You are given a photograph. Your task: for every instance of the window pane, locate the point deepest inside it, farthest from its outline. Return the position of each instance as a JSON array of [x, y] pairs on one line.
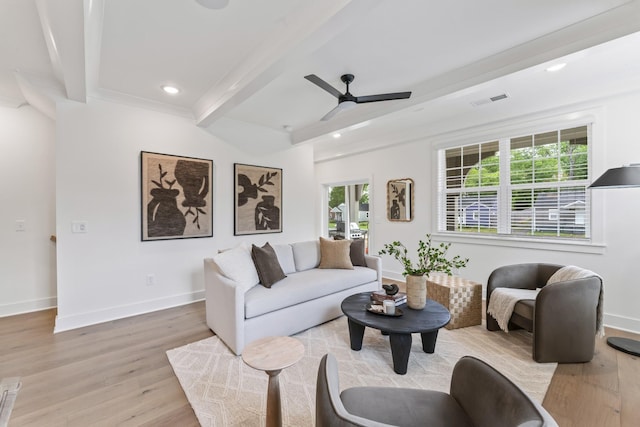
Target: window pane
[[573, 153], [472, 166], [522, 160], [556, 212], [473, 212], [454, 168], [543, 186]]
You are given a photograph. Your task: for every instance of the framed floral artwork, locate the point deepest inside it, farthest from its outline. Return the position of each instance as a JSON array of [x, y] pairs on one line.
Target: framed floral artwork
[[258, 199], [400, 199], [176, 196]]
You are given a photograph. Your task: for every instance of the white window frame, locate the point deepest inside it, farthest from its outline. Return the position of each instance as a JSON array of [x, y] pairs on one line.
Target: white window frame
[[532, 124]]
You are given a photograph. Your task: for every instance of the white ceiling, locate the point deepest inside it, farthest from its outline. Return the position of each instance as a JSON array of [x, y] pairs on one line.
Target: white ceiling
[[240, 69]]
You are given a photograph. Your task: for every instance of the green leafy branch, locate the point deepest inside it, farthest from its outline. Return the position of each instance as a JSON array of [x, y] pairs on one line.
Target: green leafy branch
[[430, 258]]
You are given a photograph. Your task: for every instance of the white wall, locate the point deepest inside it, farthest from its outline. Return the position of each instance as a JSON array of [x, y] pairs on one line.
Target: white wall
[[102, 274], [617, 210], [27, 192]]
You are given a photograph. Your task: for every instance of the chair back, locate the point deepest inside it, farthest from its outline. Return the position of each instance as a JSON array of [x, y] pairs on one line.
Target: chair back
[[330, 412], [490, 399]]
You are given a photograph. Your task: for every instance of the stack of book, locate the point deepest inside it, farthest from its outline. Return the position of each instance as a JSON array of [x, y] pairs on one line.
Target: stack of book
[[377, 297]]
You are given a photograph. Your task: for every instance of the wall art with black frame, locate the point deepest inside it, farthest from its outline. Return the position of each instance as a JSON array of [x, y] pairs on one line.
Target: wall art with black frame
[[176, 196], [258, 199]]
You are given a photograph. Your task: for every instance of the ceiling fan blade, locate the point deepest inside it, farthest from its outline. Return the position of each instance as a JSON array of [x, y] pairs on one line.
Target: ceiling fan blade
[[382, 97], [324, 85], [346, 105]]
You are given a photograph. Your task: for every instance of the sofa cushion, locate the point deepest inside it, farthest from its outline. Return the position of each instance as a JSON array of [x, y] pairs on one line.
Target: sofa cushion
[[267, 265], [285, 257], [237, 265], [306, 255], [356, 252], [335, 254], [304, 286]]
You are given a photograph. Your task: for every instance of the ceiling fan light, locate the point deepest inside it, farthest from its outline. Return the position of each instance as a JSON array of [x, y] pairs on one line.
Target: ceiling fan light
[[347, 105], [213, 4]]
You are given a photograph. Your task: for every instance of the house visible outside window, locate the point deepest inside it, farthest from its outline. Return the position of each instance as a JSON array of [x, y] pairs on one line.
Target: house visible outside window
[[530, 185]]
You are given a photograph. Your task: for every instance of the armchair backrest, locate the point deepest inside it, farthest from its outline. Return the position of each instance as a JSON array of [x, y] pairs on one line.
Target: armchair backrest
[[330, 412], [491, 399], [523, 276]]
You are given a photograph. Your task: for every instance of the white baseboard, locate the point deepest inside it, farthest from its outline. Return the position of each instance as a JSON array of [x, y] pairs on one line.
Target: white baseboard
[[392, 275], [29, 306], [623, 323], [86, 319]]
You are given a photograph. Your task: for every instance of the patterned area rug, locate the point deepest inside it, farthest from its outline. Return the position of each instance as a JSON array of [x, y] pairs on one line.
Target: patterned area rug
[[223, 391]]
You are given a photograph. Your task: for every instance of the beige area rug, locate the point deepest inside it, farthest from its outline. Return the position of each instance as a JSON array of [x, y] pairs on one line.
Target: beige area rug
[[223, 391], [8, 392]]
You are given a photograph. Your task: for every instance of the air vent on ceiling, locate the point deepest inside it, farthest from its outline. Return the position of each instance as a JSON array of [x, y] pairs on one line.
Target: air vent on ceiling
[[489, 100]]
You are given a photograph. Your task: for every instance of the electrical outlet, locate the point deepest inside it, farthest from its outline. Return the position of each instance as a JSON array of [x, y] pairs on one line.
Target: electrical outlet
[[21, 225], [151, 279]]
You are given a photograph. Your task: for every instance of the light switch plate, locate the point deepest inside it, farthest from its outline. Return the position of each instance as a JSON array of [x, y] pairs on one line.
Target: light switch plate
[[79, 227]]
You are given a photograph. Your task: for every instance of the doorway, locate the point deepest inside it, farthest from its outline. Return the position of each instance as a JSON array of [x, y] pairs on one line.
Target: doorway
[[348, 212]]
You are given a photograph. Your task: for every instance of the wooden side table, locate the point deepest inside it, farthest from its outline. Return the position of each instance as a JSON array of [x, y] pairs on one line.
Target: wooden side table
[[462, 297], [272, 355]]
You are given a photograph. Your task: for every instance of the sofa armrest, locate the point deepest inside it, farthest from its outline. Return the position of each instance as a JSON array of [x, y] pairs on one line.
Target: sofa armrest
[[375, 263], [224, 301]]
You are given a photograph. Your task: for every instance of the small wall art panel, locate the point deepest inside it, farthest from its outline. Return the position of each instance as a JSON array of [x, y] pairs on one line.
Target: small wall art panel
[[400, 199], [258, 199], [176, 197]]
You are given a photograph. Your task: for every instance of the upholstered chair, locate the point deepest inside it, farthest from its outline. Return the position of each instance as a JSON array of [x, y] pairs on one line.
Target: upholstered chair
[[479, 396], [563, 317]]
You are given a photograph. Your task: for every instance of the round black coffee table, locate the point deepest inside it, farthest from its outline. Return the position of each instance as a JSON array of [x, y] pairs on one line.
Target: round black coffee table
[[426, 322]]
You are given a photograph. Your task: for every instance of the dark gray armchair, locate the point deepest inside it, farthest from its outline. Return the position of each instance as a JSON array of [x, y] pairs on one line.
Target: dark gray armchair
[[563, 317], [479, 396]]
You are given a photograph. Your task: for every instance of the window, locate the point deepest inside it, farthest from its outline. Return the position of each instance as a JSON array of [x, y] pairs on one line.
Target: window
[[533, 185]]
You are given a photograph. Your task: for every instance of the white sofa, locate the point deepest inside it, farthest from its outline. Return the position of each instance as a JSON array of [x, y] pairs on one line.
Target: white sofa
[[307, 297]]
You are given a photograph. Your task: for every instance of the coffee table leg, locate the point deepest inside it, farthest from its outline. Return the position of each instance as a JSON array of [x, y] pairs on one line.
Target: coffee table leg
[[400, 349], [356, 332], [429, 341], [274, 407]]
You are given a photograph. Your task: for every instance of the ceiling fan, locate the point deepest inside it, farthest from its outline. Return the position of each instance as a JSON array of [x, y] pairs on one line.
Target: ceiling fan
[[347, 100]]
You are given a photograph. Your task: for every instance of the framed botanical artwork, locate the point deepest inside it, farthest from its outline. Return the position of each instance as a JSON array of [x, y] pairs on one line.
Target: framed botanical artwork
[[258, 199], [176, 196], [400, 199]]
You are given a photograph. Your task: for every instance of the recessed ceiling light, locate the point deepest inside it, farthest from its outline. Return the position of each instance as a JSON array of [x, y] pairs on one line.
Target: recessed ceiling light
[[214, 4], [337, 135], [171, 90], [556, 67]]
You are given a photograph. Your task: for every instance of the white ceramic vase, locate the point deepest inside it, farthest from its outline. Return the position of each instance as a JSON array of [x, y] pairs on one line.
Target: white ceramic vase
[[416, 291]]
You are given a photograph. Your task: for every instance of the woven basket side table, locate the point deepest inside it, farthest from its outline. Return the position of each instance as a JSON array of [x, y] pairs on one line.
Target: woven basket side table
[[462, 297]]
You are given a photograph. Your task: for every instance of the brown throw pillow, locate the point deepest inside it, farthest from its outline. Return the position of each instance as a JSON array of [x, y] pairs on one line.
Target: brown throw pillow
[[335, 254], [267, 265], [357, 253]]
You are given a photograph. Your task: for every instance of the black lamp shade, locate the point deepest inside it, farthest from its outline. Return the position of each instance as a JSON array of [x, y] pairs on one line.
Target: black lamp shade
[[622, 177]]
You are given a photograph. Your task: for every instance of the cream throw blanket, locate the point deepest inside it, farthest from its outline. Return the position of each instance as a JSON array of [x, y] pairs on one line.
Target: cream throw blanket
[[503, 300]]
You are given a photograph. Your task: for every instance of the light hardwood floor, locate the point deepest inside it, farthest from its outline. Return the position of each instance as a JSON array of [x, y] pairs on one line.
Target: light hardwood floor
[[117, 373]]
